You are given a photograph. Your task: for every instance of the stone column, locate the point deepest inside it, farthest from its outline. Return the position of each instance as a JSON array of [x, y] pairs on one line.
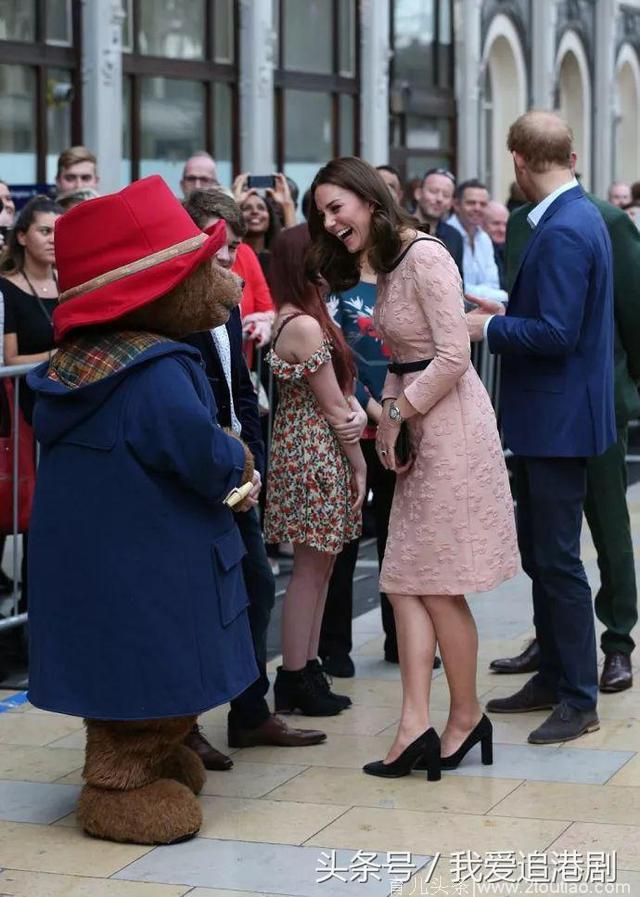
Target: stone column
[[543, 54], [374, 78], [605, 112], [102, 87], [257, 62], [468, 56]]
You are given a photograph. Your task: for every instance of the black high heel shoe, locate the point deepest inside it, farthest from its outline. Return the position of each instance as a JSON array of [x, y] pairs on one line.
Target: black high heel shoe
[[482, 733], [425, 748]]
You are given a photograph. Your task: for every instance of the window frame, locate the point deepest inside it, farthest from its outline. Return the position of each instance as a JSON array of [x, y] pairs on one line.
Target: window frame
[[41, 56], [136, 65], [428, 102], [334, 84]]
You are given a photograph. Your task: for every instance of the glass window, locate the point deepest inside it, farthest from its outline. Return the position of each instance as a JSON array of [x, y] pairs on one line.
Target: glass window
[[59, 96], [413, 33], [308, 36], [428, 133], [172, 125], [18, 20], [347, 37], [347, 140], [17, 115], [223, 31], [125, 169], [222, 132], [416, 165], [58, 22], [308, 134], [127, 26], [172, 28]]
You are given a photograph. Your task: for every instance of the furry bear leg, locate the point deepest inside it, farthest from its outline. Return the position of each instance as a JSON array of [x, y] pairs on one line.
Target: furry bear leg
[[131, 794]]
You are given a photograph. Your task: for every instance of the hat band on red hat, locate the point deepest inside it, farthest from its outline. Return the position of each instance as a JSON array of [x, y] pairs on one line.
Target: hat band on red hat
[[142, 264]]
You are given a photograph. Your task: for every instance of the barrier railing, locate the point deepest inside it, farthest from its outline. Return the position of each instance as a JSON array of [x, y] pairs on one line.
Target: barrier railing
[[16, 374]]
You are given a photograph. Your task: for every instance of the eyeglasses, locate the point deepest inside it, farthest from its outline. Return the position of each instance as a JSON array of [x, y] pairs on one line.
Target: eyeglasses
[[193, 179], [443, 171]]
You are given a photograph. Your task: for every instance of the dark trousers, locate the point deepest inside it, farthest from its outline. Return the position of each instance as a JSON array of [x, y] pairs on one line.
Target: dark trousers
[[607, 514], [551, 494], [250, 708], [335, 635]]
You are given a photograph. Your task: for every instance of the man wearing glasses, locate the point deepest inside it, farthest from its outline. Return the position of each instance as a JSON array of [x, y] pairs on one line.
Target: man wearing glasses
[[199, 173]]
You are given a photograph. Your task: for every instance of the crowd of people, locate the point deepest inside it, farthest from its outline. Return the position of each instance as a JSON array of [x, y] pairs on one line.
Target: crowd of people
[[363, 315]]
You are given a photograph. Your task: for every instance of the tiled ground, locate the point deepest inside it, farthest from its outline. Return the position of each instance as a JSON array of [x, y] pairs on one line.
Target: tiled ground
[[278, 821]]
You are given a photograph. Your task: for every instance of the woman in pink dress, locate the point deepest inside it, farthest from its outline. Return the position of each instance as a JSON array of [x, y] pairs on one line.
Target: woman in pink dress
[[452, 527]]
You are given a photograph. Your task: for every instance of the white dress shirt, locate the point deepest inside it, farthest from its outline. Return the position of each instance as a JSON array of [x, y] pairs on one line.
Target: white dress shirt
[[479, 267], [221, 339]]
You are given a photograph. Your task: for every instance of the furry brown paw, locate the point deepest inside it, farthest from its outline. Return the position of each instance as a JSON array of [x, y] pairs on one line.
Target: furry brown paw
[[249, 465], [164, 812], [185, 767]]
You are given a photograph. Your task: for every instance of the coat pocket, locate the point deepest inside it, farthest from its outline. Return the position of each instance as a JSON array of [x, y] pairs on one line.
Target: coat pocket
[[228, 551]]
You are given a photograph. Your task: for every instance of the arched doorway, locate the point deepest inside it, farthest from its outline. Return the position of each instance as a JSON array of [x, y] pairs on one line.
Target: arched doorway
[[627, 136], [504, 99], [574, 99]]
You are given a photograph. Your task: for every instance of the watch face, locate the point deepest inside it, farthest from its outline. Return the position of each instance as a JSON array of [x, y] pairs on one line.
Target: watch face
[[394, 412]]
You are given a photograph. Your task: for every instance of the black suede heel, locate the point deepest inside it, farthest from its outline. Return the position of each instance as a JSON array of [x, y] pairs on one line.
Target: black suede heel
[[426, 747]]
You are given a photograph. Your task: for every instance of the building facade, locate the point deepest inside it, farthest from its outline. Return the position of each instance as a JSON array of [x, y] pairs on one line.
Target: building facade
[[268, 85]]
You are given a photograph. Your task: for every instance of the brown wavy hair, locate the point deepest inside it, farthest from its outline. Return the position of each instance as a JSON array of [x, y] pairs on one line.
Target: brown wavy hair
[[328, 256], [290, 285]]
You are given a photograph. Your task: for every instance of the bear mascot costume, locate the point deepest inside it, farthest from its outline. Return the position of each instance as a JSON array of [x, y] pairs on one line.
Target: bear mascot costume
[[138, 617]]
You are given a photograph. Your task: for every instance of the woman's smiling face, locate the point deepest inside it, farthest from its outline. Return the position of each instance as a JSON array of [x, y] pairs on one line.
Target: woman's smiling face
[[255, 214], [345, 215]]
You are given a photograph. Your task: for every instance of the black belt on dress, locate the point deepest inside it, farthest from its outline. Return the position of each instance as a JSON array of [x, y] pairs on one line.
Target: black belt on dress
[[409, 367]]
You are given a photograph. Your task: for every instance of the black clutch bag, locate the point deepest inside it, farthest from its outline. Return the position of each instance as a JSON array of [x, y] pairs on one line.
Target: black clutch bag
[[403, 445]]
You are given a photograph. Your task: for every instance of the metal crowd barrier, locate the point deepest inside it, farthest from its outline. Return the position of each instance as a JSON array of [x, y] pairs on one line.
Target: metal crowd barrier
[[16, 373]]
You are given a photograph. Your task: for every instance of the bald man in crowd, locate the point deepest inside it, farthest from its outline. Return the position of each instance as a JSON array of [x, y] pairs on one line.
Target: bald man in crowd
[[495, 223], [619, 194], [199, 173]]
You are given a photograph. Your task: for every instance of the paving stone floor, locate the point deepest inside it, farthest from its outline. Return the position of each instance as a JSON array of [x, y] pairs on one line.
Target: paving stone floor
[[284, 818]]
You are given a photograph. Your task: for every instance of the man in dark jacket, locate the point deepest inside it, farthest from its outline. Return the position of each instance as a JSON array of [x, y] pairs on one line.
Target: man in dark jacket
[[606, 502], [434, 201], [250, 721]]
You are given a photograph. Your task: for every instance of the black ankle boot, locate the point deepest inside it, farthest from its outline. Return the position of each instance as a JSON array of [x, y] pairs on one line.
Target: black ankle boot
[[314, 669], [299, 690], [425, 750]]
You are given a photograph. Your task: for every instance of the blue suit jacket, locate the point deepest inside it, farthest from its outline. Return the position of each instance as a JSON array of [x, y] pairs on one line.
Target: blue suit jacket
[[556, 339]]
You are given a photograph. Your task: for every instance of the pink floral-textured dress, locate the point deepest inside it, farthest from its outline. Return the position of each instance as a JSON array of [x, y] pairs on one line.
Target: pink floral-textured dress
[[309, 494], [452, 526]]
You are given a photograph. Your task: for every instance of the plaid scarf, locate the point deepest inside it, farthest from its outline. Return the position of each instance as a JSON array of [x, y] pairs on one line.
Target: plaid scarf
[[87, 359]]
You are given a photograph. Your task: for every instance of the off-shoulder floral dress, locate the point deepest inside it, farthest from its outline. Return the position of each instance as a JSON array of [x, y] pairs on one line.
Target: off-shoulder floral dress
[[309, 493]]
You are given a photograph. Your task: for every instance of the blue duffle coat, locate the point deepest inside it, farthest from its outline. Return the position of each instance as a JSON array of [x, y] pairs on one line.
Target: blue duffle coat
[[137, 605]]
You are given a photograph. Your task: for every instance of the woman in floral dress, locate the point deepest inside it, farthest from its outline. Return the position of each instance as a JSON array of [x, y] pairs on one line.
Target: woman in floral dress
[[317, 473]]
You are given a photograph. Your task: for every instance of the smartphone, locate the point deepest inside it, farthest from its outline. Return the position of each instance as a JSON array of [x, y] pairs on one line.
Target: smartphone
[[261, 181]]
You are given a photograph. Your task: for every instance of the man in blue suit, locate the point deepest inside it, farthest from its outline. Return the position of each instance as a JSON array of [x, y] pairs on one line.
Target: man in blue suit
[[556, 343]]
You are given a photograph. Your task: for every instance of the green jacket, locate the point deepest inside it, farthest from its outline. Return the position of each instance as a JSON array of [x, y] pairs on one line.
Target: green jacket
[[625, 241]]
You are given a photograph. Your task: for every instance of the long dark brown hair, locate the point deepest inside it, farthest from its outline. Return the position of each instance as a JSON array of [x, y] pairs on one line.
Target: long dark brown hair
[[13, 255], [328, 256], [290, 285]]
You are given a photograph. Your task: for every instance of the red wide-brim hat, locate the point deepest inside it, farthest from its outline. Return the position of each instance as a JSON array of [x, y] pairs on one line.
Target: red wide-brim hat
[[119, 252]]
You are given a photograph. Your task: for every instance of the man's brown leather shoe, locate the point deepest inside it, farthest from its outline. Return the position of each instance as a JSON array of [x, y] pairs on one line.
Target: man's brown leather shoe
[[616, 673], [527, 662], [274, 731], [211, 758]]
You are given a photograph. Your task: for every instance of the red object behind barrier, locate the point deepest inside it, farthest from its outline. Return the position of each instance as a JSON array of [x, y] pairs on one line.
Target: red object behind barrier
[[26, 463]]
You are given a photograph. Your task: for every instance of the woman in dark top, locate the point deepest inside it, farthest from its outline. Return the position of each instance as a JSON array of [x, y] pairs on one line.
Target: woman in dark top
[[29, 285]]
